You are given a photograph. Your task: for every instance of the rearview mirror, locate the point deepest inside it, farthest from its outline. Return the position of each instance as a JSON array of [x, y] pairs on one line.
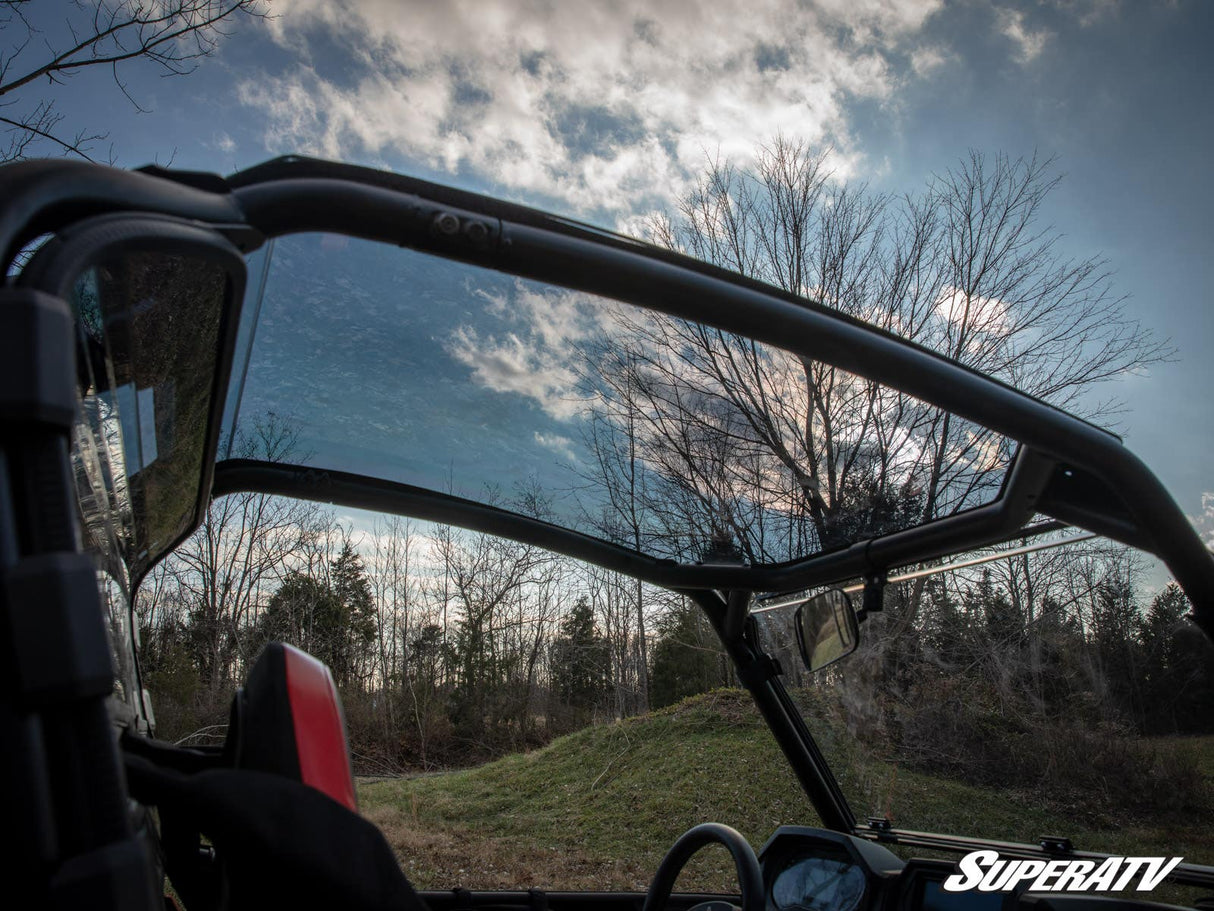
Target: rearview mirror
[[827, 629]]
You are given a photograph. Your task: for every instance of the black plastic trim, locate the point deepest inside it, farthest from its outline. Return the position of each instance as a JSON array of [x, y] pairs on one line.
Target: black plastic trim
[[466, 900], [56, 631], [34, 384]]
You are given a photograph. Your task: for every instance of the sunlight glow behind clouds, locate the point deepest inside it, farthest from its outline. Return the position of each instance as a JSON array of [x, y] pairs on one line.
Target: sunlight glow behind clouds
[[603, 107]]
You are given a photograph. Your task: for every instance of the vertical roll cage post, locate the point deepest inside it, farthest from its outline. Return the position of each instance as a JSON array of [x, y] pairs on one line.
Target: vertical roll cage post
[[760, 674]]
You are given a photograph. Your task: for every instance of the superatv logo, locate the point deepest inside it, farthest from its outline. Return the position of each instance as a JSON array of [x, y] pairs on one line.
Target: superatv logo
[[984, 871]]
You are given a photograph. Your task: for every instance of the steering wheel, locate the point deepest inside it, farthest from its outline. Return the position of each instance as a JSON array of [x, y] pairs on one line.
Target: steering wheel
[[750, 877]]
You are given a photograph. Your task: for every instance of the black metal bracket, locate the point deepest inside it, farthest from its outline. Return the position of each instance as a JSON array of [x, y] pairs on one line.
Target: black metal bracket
[[1056, 844], [873, 597], [737, 609]]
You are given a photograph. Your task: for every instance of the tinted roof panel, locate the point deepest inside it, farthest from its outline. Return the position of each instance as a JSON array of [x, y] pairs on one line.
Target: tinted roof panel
[[667, 437]]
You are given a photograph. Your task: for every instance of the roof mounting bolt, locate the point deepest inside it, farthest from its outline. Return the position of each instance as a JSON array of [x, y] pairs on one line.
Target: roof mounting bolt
[[1055, 844], [446, 223], [477, 232]]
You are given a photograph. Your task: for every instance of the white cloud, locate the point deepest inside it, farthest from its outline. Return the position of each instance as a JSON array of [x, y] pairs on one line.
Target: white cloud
[[1028, 43], [225, 143], [928, 59], [600, 105], [1204, 523], [510, 364], [562, 446], [538, 352], [1089, 12]]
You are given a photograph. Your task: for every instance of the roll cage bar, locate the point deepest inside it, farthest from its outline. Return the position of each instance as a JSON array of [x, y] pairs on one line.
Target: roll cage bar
[[1064, 468]]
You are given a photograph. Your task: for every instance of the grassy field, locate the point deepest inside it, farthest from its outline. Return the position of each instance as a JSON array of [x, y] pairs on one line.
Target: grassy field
[[599, 808]]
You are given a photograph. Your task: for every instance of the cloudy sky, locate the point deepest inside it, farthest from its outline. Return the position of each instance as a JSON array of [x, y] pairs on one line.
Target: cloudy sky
[[606, 110]]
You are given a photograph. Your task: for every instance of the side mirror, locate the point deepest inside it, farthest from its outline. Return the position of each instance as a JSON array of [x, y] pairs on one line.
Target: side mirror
[[827, 629], [157, 305]]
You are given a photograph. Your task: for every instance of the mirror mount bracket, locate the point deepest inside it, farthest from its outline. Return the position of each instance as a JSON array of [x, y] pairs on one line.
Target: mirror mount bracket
[[874, 595], [757, 672]]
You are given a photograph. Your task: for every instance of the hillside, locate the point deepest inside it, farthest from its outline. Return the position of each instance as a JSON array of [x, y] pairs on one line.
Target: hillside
[[597, 809]]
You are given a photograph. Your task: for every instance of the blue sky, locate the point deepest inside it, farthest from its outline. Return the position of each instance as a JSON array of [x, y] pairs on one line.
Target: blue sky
[[606, 111]]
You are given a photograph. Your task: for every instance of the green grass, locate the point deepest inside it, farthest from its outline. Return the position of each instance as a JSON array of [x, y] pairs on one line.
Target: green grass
[[598, 809]]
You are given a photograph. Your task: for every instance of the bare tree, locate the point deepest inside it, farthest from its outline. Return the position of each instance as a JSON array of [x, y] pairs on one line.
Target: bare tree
[[787, 455], [500, 629], [396, 592], [619, 468], [246, 542], [171, 36]]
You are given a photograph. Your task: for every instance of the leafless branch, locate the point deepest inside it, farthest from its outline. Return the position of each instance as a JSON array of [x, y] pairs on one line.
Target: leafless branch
[[171, 35]]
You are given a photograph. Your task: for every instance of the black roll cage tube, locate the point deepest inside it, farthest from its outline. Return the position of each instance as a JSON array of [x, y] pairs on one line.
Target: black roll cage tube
[[1065, 467]]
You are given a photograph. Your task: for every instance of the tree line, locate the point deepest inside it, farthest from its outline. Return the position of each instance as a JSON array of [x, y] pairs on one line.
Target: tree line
[[451, 647], [447, 645]]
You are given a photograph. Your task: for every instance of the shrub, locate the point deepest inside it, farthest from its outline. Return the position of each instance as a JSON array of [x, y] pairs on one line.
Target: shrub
[[967, 729]]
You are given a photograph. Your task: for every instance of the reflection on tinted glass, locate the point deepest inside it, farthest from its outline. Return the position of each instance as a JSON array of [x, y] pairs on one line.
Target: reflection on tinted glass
[[149, 336], [664, 436]]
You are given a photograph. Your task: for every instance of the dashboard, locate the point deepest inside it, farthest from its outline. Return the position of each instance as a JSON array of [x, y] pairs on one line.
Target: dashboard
[[808, 869]]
